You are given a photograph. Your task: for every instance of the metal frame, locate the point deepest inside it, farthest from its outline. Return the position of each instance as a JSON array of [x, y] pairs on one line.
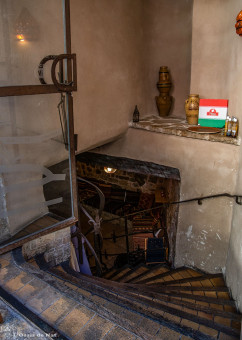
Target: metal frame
[[48, 89]]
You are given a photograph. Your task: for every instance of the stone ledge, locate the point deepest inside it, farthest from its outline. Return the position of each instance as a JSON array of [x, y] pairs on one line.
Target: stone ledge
[[178, 127]]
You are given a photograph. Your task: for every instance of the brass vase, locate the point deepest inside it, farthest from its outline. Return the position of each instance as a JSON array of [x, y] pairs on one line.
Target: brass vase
[[192, 109], [164, 100]]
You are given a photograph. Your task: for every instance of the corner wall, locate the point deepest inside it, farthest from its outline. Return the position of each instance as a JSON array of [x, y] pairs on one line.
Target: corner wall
[[107, 37], [206, 168], [217, 73], [167, 42], [203, 230], [120, 47]]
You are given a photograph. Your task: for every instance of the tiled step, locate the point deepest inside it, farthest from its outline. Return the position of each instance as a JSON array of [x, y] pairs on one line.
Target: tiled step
[[109, 273], [60, 305], [203, 300], [121, 274], [200, 295], [14, 323], [157, 314], [118, 272], [207, 280], [133, 272], [196, 308], [180, 311], [140, 271], [189, 289], [163, 275], [213, 321], [184, 317], [76, 312], [156, 270]]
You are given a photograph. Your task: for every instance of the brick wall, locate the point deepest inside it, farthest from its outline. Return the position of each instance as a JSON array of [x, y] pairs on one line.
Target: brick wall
[[56, 246], [140, 182], [125, 179]]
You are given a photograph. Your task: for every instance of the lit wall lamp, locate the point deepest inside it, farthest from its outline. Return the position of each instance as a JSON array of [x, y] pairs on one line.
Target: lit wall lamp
[[109, 170], [26, 27]]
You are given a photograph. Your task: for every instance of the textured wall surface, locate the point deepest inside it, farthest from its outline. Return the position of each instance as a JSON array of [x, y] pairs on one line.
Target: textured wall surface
[[120, 47], [205, 167], [217, 73], [167, 42], [56, 247], [107, 36], [207, 238], [127, 180]]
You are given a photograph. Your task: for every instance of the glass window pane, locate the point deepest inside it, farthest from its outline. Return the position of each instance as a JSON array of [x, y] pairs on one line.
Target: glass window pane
[[35, 176], [29, 31]]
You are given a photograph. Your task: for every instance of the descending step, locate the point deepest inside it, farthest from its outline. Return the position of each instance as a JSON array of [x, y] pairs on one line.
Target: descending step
[[62, 303], [149, 273], [211, 321], [139, 269], [187, 303], [169, 275], [206, 306], [207, 279], [119, 273]]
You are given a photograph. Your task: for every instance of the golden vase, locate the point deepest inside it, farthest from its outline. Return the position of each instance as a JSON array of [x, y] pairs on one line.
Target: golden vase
[[164, 100], [192, 109]]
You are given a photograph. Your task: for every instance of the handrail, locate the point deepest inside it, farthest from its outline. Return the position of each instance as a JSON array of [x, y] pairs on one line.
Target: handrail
[[238, 200], [96, 224], [93, 252]]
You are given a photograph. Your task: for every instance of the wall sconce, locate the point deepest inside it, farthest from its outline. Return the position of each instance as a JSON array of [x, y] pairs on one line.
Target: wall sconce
[[26, 27], [109, 170]]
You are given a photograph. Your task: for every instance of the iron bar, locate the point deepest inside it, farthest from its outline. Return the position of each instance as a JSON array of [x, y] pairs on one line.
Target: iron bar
[[238, 200], [126, 236], [131, 234]]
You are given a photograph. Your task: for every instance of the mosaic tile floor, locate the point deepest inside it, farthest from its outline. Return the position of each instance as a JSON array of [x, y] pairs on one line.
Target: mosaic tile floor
[[16, 327]]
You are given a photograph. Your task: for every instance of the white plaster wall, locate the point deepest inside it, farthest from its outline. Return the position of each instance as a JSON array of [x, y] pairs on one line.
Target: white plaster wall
[[122, 67], [167, 42], [107, 37], [120, 47], [205, 167], [217, 73]]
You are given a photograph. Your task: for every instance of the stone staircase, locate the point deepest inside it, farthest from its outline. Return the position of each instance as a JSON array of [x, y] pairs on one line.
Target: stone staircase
[[129, 303]]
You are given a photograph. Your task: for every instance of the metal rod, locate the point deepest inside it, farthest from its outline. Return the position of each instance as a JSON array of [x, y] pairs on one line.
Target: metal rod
[[238, 200], [131, 234], [127, 236]]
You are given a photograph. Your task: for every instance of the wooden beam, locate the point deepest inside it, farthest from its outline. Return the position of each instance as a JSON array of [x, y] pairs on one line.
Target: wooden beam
[[27, 90]]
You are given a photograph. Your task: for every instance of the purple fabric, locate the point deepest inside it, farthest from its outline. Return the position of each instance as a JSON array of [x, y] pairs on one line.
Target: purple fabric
[[84, 267]]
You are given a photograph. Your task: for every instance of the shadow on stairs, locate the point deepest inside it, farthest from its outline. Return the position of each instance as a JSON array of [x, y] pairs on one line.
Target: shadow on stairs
[[131, 303], [187, 301]]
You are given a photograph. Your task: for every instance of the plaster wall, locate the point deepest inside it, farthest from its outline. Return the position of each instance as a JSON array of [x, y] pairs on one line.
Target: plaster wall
[[107, 37], [127, 60], [203, 230], [167, 42], [217, 73], [120, 47]]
